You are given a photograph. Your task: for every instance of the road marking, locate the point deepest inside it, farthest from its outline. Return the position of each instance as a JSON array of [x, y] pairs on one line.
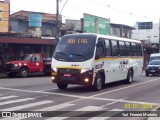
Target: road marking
[[111, 103], [46, 89], [7, 97], [77, 96], [57, 118], [124, 101], [15, 101], [90, 108], [99, 117], [124, 87], [27, 105], [92, 96], [30, 91], [11, 118], [55, 107], [87, 109]]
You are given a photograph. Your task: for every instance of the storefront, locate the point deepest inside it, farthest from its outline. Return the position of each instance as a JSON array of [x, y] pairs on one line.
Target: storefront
[[12, 48]]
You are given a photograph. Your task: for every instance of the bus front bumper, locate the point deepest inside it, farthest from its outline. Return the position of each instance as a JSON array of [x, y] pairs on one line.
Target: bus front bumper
[[81, 79]]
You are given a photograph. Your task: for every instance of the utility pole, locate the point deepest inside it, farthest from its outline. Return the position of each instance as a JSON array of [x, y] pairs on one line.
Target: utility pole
[[57, 21]]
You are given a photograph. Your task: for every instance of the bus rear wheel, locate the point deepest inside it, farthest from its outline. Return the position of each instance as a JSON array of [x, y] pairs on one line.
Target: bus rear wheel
[[98, 82], [62, 86], [129, 77]]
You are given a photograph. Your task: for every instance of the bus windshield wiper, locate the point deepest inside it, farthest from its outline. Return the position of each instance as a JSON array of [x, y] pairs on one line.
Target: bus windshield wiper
[[80, 55], [62, 53]]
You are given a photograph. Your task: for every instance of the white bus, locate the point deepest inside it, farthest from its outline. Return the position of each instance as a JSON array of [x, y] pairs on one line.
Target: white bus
[[94, 60]]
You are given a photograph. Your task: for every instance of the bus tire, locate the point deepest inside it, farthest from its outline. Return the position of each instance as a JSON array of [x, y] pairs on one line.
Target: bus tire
[[62, 86], [23, 73], [98, 84], [129, 79]]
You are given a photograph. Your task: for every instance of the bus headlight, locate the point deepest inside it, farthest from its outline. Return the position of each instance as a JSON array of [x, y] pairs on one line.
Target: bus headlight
[[86, 80], [54, 69], [53, 78], [85, 70]]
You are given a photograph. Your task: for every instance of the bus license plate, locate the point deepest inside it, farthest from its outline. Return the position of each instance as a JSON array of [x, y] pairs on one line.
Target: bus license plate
[[67, 75]]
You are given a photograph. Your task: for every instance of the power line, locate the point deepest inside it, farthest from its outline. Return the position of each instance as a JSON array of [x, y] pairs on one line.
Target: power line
[[75, 7], [119, 10], [63, 6]]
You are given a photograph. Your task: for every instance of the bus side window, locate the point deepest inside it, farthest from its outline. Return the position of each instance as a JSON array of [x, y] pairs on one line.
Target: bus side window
[[100, 48], [115, 49], [134, 49], [128, 49], [139, 49], [122, 48], [108, 48]]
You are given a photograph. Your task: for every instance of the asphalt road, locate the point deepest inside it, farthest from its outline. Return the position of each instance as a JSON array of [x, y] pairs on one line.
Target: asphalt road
[[38, 93]]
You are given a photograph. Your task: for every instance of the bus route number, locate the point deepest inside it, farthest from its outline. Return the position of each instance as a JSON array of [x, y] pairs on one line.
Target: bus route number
[[79, 41], [82, 40]]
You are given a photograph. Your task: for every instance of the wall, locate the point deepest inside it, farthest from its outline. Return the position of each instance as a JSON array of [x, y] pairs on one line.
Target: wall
[[22, 26], [150, 35], [49, 27], [121, 31]]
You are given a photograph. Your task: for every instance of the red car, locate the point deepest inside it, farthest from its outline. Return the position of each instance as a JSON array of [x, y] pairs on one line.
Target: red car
[[31, 63]]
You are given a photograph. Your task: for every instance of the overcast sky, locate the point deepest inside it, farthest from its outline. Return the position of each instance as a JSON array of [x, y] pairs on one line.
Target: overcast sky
[[126, 12]]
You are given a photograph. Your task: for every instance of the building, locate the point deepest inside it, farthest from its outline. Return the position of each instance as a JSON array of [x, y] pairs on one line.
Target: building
[[147, 31], [24, 38], [121, 30], [148, 34], [21, 22]]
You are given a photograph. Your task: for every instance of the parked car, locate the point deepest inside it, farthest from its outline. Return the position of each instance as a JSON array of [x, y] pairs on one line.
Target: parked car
[[32, 63], [153, 67]]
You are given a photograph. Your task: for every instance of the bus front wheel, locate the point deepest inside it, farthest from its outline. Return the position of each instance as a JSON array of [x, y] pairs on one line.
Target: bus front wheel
[[62, 86], [98, 82]]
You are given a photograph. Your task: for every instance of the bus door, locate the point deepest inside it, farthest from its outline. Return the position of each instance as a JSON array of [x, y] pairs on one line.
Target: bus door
[[123, 60], [108, 61], [101, 61], [115, 71]]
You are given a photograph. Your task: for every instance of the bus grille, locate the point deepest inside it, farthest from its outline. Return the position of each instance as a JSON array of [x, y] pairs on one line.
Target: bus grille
[[66, 70], [67, 78]]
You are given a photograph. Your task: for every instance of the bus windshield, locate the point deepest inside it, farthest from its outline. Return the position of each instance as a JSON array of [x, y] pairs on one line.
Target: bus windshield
[[75, 48]]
